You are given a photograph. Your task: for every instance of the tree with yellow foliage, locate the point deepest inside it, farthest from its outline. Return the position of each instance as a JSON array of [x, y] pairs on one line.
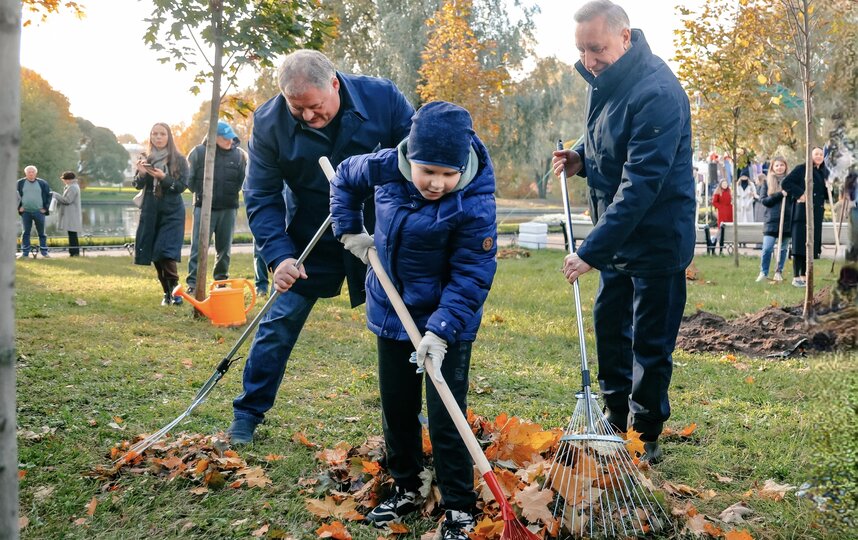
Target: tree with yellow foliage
[[721, 49], [452, 69]]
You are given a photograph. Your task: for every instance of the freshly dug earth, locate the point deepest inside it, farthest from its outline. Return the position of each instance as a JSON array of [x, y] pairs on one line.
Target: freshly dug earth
[[773, 331]]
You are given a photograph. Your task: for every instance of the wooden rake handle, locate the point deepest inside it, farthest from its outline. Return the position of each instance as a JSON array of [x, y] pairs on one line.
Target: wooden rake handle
[[447, 398], [443, 390]]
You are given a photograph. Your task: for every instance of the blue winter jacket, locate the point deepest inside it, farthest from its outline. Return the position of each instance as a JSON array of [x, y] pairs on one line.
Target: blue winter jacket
[[637, 160], [373, 114], [440, 254]]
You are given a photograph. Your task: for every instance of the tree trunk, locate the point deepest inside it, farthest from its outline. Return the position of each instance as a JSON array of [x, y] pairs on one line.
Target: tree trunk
[[808, 310], [10, 137], [734, 187], [211, 150]]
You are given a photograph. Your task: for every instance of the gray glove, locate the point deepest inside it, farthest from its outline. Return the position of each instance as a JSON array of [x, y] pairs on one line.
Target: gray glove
[[359, 245], [436, 348]]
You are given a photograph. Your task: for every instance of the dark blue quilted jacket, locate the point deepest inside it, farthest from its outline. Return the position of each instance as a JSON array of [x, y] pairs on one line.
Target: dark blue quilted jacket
[[439, 254]]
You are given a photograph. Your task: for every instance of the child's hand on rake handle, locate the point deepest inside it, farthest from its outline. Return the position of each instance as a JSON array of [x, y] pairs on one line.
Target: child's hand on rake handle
[[436, 348]]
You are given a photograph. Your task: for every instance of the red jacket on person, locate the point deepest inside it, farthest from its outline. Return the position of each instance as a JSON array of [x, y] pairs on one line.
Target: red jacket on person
[[723, 203]]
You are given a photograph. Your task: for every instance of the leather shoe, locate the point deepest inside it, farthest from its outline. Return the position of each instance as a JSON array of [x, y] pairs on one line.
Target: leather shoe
[[619, 420], [241, 431], [652, 453]]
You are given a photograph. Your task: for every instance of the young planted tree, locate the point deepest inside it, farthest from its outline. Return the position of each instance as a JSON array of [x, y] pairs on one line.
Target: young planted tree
[[721, 50], [220, 37], [803, 28]]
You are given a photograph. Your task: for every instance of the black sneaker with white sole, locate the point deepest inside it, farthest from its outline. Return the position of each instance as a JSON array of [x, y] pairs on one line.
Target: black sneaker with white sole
[[401, 503], [456, 525]]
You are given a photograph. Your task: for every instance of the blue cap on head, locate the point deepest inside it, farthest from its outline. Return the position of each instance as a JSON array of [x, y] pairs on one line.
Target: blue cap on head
[[223, 130], [441, 135]]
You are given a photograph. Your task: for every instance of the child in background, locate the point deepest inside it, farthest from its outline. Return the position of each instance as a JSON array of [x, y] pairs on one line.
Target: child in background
[[436, 237]]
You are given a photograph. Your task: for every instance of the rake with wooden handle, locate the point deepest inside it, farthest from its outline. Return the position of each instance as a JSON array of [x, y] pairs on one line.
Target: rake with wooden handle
[[600, 492], [513, 528]]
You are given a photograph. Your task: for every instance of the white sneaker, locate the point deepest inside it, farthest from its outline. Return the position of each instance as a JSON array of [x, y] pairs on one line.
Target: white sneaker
[[778, 276], [761, 277], [798, 282]]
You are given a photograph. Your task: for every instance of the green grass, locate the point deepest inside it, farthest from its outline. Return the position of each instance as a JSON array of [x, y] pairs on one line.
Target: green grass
[[83, 364], [108, 194]]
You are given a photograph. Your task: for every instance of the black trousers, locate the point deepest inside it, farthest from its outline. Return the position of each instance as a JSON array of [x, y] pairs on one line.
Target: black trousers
[[168, 274], [799, 265], [636, 321], [74, 245], [401, 397]]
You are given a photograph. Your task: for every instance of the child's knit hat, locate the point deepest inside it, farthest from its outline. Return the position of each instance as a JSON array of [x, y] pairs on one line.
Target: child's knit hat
[[441, 135]]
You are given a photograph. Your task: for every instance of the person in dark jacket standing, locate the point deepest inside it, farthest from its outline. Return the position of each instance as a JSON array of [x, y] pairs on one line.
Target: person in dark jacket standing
[[793, 184], [229, 166], [320, 112], [436, 235], [163, 176], [34, 200], [772, 228], [637, 160]]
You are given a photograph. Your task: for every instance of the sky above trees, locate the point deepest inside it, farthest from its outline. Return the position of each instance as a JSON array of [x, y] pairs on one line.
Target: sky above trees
[[102, 65]]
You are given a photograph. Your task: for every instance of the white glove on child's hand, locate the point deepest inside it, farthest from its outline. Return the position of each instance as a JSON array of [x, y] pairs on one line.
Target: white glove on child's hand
[[359, 245], [436, 348]]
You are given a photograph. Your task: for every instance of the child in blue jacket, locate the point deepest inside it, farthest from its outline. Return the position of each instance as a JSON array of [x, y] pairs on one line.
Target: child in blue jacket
[[436, 237]]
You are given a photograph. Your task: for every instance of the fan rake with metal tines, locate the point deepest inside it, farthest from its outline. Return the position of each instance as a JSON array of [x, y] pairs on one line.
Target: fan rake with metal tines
[[599, 491]]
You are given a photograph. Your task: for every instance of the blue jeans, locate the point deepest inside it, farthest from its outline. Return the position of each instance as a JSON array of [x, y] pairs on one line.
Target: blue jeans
[[636, 321], [277, 333], [222, 225], [28, 218], [768, 249], [260, 271]]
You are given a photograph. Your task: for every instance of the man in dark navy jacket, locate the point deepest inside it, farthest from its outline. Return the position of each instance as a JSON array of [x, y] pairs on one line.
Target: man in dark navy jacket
[[320, 112], [637, 159]]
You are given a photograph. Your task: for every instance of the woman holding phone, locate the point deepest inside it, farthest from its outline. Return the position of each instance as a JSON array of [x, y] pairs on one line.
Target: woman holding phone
[[163, 175]]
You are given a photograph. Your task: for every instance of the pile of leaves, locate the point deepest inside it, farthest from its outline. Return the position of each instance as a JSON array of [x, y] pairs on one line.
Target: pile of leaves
[[205, 461], [352, 480]]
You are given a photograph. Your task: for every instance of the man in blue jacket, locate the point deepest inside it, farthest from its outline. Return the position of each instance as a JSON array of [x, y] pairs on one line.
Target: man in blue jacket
[[229, 168], [320, 112], [34, 199], [637, 161]]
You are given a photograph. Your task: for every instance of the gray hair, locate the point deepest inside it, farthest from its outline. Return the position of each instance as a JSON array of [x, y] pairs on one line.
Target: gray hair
[[302, 69], [616, 18], [30, 168]]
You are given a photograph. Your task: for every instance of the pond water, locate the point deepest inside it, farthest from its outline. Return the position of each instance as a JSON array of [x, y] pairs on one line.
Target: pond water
[[120, 220]]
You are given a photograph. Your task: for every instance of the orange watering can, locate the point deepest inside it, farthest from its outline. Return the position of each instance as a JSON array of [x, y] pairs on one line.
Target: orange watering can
[[225, 304]]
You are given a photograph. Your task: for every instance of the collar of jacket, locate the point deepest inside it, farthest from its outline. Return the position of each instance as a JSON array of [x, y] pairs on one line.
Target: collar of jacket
[[351, 104], [620, 70]]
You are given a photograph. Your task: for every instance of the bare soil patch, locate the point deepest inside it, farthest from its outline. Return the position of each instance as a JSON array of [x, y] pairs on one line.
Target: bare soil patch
[[777, 332]]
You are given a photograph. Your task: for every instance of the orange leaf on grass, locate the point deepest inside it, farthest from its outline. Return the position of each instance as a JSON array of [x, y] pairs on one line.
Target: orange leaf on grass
[[328, 507], [738, 535], [260, 531], [90, 508], [372, 468], [688, 430], [334, 456], [488, 527], [21, 474], [300, 438], [273, 457], [397, 528], [634, 444], [335, 530]]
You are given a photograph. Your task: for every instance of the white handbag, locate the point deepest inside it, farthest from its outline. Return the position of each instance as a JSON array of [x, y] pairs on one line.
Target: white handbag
[[53, 206], [138, 199]]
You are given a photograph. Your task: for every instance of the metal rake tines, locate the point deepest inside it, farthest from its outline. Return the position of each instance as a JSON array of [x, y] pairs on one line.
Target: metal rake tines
[[599, 491]]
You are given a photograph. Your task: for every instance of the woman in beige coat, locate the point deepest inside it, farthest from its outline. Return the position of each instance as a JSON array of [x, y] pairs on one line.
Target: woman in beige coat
[[68, 211]]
